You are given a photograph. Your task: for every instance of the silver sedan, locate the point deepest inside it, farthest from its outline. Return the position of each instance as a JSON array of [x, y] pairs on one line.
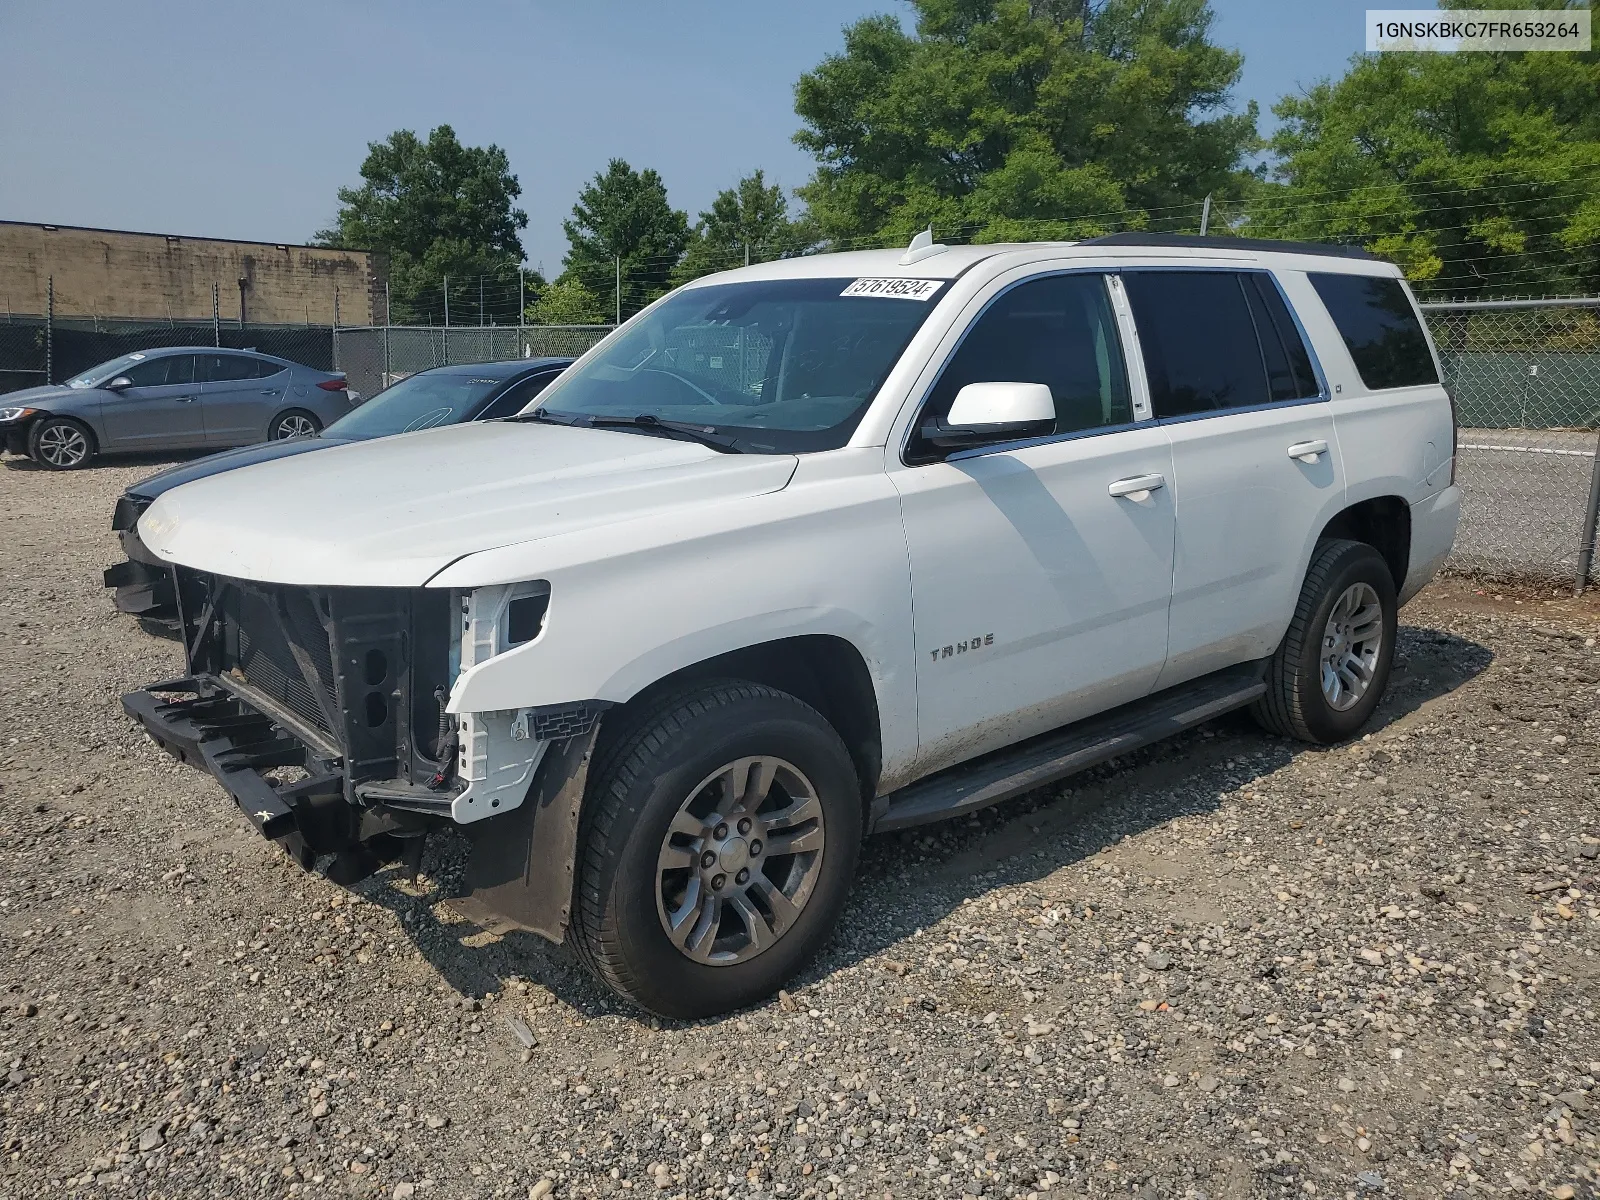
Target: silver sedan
[[175, 398]]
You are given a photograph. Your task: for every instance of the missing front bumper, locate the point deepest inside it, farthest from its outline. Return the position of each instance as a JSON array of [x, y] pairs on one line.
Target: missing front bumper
[[291, 791]]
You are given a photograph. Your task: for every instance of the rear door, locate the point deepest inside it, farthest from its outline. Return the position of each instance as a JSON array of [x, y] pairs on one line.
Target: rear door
[[239, 399], [161, 411], [1256, 464]]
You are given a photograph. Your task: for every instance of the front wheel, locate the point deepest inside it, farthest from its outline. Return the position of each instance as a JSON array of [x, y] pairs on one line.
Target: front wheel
[[297, 422], [1330, 671], [721, 831], [60, 444]]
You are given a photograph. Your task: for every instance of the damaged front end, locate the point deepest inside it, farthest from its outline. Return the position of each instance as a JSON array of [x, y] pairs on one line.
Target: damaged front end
[[324, 713]]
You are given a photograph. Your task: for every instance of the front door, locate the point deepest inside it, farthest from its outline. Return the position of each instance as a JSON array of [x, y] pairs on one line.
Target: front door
[[1256, 466], [1041, 571], [239, 399], [159, 411]]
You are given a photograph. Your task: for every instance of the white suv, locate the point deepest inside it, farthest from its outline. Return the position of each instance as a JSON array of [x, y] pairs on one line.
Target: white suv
[[807, 550]]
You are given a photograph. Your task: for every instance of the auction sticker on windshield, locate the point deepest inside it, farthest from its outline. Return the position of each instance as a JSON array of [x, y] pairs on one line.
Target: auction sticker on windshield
[[897, 289]]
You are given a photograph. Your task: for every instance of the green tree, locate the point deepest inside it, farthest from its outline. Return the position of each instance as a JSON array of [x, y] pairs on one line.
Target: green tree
[[999, 118], [436, 208], [1479, 173], [747, 222], [623, 214], [568, 302]]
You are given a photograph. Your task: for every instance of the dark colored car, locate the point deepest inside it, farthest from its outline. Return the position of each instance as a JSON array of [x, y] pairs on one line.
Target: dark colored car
[[173, 398], [441, 396]]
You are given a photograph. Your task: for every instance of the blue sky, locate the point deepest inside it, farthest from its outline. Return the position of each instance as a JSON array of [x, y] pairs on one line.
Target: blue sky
[[241, 120]]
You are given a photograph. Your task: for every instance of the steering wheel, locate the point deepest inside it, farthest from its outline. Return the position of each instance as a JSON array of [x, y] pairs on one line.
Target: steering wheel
[[690, 384]]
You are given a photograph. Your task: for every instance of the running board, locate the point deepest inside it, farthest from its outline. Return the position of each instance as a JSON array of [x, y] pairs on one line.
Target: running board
[[1005, 773]]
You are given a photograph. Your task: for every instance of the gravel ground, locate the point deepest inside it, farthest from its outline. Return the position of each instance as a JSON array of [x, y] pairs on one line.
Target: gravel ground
[[1231, 966]]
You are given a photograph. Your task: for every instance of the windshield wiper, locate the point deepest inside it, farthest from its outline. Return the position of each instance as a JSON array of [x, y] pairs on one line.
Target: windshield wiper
[[706, 435], [537, 414]]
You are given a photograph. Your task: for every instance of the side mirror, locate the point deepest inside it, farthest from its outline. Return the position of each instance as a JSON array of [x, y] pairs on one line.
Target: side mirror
[[984, 413], [120, 382]]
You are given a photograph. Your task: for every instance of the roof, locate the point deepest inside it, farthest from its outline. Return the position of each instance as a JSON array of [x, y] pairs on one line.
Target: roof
[[1183, 241], [950, 262], [500, 370]]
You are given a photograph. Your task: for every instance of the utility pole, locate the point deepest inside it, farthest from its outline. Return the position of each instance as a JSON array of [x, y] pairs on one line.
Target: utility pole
[[1205, 215], [386, 323], [1591, 521]]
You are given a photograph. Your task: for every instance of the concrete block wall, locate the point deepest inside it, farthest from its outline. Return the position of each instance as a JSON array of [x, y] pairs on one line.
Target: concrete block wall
[[111, 273]]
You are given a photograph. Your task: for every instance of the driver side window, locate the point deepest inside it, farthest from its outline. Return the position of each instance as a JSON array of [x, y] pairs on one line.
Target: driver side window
[[1058, 330], [162, 372]]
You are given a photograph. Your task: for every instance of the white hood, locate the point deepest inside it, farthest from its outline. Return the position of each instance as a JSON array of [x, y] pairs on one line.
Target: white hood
[[394, 511]]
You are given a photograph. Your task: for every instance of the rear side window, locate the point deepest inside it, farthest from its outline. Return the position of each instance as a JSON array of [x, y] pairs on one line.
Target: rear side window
[[1199, 340], [1380, 328], [1058, 331], [1283, 350], [224, 368], [265, 368], [1217, 340]]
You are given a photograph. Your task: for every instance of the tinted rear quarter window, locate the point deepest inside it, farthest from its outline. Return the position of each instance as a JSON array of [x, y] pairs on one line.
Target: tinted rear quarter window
[[1380, 328]]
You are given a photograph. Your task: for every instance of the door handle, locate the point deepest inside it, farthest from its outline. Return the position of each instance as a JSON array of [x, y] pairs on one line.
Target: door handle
[[1137, 487], [184, 399], [1308, 452]]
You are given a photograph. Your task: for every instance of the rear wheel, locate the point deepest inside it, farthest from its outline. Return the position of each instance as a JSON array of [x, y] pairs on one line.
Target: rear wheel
[[1330, 671], [60, 444], [297, 422], [721, 831]]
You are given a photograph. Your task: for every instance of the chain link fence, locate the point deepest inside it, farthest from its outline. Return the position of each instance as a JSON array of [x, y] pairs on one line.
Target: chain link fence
[[43, 350], [372, 357], [1525, 375]]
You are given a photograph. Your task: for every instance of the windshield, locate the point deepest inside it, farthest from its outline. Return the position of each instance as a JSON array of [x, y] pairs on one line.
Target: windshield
[[105, 372], [776, 366], [416, 402]]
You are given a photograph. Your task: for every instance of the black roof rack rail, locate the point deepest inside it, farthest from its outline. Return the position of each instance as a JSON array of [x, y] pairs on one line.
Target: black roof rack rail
[[1175, 240]]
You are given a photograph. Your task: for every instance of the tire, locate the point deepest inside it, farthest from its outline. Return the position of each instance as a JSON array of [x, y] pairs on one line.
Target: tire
[[646, 848], [1344, 584], [293, 422], [61, 444]]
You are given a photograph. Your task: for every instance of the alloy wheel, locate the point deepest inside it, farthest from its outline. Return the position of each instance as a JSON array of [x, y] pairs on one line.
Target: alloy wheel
[[63, 445], [740, 860], [1351, 644], [295, 425]]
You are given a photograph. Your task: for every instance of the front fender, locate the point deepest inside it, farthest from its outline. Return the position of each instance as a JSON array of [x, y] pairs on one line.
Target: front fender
[[631, 605]]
